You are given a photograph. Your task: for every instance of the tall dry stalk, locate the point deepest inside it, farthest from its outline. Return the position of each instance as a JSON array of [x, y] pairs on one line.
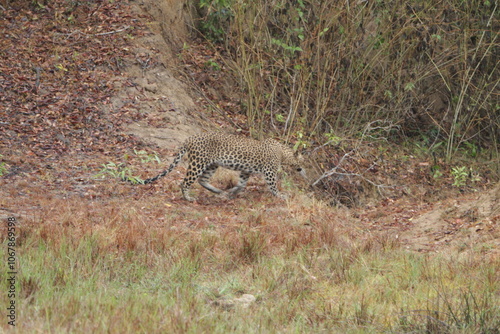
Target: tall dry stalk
[[317, 67]]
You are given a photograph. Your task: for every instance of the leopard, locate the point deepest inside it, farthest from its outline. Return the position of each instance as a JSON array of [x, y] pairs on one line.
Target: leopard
[[209, 151]]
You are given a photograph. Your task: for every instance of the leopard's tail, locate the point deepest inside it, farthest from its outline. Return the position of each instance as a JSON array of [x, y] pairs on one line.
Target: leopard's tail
[[176, 161]]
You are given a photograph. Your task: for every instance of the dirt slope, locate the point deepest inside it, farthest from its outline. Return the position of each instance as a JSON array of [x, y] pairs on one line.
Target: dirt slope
[[453, 225], [167, 99]]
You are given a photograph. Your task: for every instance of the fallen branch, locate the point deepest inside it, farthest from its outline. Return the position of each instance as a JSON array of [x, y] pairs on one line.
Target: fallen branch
[[112, 32], [99, 34], [334, 171]]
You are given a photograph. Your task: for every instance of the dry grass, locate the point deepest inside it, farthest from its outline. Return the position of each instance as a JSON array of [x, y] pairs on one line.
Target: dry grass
[[143, 263]]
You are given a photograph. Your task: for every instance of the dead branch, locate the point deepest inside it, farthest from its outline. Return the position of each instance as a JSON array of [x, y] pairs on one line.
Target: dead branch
[[334, 171], [112, 32]]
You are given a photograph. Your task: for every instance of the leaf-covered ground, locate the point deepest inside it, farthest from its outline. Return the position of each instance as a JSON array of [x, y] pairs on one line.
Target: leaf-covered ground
[[59, 64]]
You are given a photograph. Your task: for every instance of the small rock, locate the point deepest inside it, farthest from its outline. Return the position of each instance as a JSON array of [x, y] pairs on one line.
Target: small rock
[[245, 300]]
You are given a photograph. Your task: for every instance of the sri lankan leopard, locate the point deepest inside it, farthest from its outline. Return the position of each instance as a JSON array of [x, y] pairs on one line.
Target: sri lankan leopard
[[206, 152]]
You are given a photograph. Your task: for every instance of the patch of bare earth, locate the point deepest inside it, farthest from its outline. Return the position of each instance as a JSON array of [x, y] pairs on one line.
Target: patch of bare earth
[[456, 224]]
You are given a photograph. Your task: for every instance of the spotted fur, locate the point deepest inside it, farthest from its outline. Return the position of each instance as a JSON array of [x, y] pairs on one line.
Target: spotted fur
[[207, 152]]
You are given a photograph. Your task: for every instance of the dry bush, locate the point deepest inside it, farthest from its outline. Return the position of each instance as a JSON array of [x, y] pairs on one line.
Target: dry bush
[[318, 67]]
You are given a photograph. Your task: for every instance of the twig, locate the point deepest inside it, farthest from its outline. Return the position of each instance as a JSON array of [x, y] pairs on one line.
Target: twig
[[99, 34], [321, 146], [112, 32], [369, 128], [332, 171]]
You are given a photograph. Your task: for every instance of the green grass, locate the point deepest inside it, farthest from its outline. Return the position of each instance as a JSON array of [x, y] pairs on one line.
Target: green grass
[[110, 271]]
